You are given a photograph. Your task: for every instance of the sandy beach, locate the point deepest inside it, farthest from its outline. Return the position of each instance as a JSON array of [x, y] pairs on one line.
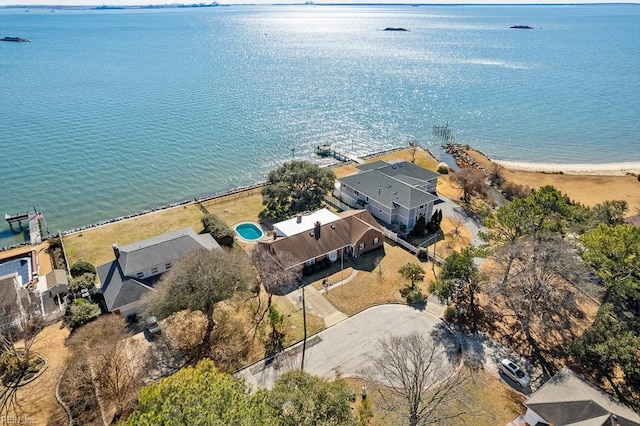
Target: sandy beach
[[601, 169], [589, 184]]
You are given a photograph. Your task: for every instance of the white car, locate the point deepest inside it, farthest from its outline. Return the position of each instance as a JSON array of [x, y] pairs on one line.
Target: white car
[[152, 326], [511, 370]]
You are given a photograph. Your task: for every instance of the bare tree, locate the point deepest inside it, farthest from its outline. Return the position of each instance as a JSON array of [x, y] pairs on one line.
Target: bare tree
[[101, 354], [277, 276], [540, 288], [472, 182], [16, 359], [416, 381], [198, 282]]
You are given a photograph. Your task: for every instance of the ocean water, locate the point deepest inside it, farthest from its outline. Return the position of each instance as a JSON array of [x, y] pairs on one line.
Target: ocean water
[[110, 112]]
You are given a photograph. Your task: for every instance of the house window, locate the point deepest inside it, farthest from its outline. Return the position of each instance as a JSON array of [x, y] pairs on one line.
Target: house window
[[356, 192], [154, 270], [140, 275], [367, 198], [375, 240], [310, 262], [167, 265], [421, 207], [361, 246]]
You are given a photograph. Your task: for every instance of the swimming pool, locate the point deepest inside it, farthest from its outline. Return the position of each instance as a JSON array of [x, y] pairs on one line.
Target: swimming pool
[[249, 231], [21, 265]]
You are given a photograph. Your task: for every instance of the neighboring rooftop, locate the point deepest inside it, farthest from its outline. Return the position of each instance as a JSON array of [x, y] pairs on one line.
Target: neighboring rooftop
[[303, 223], [567, 399], [349, 227], [167, 247]]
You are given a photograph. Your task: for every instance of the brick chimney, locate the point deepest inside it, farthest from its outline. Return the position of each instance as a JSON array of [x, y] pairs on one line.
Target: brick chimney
[[116, 250]]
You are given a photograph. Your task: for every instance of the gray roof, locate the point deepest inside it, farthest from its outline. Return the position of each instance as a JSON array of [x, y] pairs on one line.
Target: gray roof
[[117, 289], [388, 189], [401, 168], [119, 285], [567, 399], [162, 249]]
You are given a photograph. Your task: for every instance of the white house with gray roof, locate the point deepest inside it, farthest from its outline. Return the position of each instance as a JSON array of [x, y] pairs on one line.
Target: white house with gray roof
[[395, 193], [136, 267]]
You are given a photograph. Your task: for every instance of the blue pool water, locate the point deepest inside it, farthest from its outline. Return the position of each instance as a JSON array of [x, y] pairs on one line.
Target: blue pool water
[[20, 265], [249, 231]]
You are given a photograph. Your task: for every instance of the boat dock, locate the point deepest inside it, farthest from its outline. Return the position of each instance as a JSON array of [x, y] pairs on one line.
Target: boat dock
[[327, 150], [33, 222]]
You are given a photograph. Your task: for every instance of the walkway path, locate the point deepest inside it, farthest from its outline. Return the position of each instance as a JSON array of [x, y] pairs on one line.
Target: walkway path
[[452, 210], [317, 304], [344, 346]]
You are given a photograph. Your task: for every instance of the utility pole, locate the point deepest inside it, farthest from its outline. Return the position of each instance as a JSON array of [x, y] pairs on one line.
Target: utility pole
[[304, 326]]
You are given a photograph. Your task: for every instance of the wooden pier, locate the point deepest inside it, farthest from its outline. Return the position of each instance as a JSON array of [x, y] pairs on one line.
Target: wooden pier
[[445, 133], [33, 222], [327, 150]]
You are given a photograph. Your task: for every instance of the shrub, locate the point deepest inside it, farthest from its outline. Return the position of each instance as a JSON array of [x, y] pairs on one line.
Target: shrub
[[82, 311], [415, 296], [423, 254], [513, 190], [81, 267], [412, 295], [86, 280], [419, 227], [449, 313], [219, 230], [443, 169]]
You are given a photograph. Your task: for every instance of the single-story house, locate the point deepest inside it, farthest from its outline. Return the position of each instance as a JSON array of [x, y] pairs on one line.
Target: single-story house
[[307, 242], [136, 267], [395, 193], [567, 399]]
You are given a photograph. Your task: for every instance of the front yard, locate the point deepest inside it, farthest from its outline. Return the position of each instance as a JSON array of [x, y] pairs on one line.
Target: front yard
[[377, 280], [491, 402]]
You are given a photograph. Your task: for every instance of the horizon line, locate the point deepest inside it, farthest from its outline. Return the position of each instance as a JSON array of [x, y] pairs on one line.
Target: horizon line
[[215, 4]]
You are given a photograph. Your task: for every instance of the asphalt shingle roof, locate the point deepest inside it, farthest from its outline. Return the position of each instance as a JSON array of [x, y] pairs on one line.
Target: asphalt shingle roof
[[388, 189], [389, 183], [333, 236], [162, 249], [120, 287]]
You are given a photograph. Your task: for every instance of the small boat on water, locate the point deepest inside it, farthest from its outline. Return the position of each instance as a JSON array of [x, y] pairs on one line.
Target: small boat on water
[[395, 29], [522, 27], [15, 39]]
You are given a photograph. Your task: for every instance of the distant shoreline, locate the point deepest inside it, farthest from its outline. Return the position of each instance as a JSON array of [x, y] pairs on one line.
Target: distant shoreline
[[583, 169]]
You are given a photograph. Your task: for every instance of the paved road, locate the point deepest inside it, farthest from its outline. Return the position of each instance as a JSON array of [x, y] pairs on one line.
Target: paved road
[[345, 345]]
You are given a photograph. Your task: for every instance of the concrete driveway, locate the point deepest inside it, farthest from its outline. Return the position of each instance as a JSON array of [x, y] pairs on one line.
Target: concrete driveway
[[345, 346]]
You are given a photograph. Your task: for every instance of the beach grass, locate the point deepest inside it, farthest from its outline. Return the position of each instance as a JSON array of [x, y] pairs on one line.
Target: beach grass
[[94, 244]]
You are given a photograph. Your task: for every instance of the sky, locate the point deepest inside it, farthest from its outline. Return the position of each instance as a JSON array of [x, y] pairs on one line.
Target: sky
[[145, 2]]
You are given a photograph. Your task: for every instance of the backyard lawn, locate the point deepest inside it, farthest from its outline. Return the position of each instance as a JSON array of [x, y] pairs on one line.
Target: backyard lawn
[[241, 207], [94, 245]]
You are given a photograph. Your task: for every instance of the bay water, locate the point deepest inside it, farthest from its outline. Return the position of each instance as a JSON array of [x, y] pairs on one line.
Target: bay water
[[109, 112]]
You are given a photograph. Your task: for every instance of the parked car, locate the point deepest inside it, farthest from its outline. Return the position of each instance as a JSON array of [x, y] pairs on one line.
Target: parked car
[[511, 370], [152, 326]]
